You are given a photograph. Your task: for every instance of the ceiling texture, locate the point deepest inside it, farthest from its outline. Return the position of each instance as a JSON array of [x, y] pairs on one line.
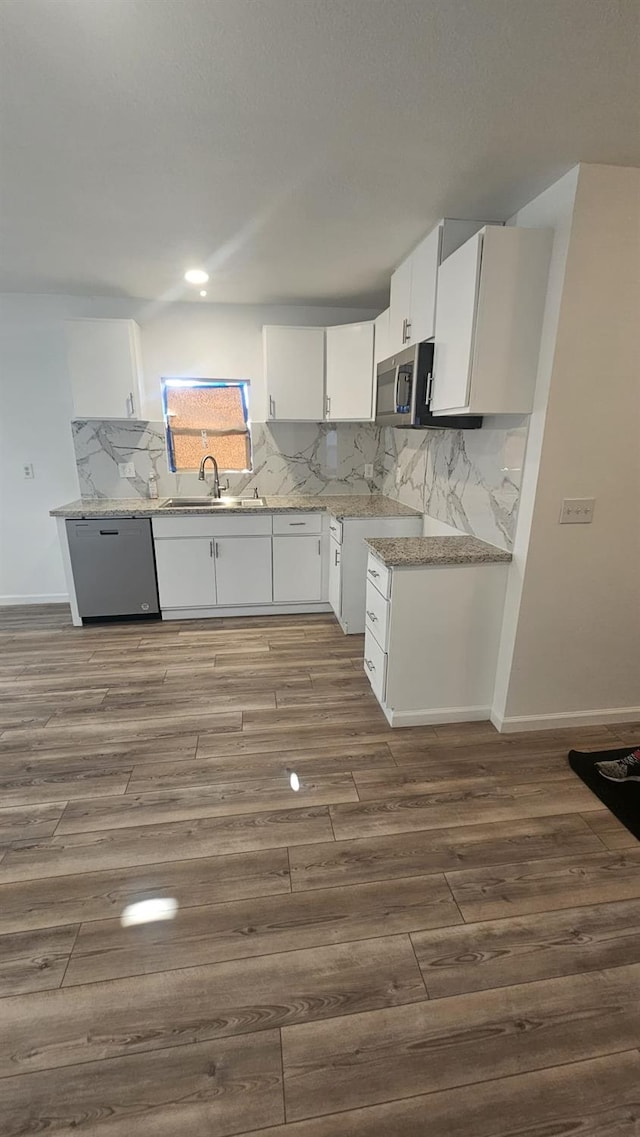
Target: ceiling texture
[[296, 148]]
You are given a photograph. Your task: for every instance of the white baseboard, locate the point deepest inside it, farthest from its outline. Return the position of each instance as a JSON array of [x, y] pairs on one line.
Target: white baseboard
[[433, 717], [43, 598], [515, 723], [245, 610]]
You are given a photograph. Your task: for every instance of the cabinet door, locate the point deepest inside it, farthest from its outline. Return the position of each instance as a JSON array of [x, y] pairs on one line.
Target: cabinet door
[[243, 570], [294, 373], [103, 357], [186, 575], [424, 275], [297, 569], [349, 349], [400, 307], [335, 577], [458, 281], [381, 337]]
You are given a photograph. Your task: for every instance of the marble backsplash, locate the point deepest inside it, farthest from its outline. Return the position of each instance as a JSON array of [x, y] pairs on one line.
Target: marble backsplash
[[305, 458], [468, 479]]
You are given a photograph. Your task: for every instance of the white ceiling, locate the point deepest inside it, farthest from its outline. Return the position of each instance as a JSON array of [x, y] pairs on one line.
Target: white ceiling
[[298, 148]]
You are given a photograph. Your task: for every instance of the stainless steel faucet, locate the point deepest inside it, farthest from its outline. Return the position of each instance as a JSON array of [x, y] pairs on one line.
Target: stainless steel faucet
[[216, 475]]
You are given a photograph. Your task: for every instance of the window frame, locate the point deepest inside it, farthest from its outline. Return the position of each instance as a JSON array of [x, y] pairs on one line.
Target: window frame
[[168, 382]]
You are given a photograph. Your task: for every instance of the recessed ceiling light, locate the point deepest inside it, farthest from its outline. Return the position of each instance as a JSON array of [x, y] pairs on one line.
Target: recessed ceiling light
[[196, 276], [203, 292]]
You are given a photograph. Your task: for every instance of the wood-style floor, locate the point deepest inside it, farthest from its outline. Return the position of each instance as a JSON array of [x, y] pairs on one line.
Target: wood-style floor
[[438, 935]]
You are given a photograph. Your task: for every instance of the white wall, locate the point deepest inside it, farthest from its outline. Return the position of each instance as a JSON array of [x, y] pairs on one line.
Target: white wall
[[571, 638], [35, 408], [35, 404], [552, 209]]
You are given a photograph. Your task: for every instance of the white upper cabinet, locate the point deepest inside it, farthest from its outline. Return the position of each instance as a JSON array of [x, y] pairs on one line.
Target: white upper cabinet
[[414, 284], [294, 373], [400, 307], [105, 371], [381, 337], [491, 296], [424, 262], [459, 277], [412, 310], [349, 376]]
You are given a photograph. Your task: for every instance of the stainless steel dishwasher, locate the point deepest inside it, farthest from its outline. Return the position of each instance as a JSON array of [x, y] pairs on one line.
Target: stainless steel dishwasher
[[114, 569]]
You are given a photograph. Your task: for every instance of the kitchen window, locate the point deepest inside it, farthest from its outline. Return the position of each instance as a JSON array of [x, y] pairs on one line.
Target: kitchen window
[[207, 416]]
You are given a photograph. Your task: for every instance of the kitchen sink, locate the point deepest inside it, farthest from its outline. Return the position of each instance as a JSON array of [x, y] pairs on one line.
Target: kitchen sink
[[211, 502]]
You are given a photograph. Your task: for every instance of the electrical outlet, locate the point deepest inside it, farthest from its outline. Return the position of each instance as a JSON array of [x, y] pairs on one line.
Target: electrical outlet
[[577, 510], [28, 470], [126, 470], [368, 469]]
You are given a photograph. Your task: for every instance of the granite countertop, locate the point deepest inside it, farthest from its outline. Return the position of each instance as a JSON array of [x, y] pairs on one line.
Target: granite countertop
[[341, 506], [412, 552]]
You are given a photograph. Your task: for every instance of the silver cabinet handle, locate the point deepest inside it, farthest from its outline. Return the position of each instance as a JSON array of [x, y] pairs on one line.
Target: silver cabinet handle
[[372, 572], [429, 390], [293, 523], [327, 406], [319, 547], [272, 407], [210, 548], [370, 665], [372, 616], [337, 557], [217, 548]]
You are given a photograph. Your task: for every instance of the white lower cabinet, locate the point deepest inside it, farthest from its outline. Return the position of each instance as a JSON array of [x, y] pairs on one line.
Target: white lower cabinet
[[297, 569], [335, 576], [375, 665], [348, 562], [431, 640], [186, 573], [377, 615], [243, 570], [214, 566]]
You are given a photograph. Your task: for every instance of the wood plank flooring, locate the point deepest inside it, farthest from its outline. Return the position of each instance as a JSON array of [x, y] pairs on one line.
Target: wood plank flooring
[[437, 934]]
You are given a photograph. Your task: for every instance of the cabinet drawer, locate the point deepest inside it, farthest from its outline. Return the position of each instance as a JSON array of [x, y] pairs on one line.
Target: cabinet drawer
[[379, 575], [377, 615], [296, 523], [335, 529], [375, 665], [206, 526]]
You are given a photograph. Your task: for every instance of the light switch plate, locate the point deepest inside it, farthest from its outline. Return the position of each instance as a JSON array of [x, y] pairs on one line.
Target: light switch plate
[[368, 469], [577, 510], [126, 470], [28, 470]]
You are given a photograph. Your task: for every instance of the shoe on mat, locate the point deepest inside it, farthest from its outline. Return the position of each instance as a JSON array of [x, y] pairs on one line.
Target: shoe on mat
[[626, 769]]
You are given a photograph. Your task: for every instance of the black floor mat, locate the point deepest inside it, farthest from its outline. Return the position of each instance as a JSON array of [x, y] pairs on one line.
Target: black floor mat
[[623, 800]]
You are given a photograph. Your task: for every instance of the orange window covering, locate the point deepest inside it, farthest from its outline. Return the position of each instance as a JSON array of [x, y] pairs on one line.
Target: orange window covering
[[207, 419]]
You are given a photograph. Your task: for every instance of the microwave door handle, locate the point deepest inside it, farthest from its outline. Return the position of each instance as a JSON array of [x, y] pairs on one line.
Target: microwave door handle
[[396, 384], [413, 398]]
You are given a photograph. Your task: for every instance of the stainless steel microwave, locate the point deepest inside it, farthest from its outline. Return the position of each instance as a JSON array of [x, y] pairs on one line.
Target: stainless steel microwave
[[403, 393]]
